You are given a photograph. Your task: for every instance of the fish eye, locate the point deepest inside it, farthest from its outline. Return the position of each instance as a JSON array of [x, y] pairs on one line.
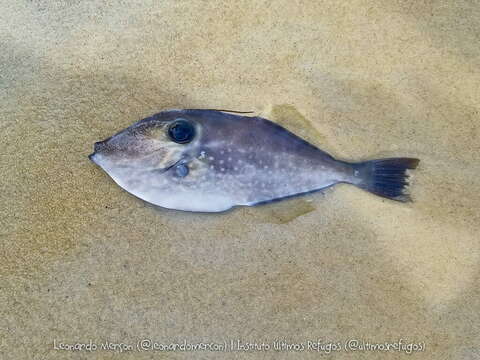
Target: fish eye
[[181, 131]]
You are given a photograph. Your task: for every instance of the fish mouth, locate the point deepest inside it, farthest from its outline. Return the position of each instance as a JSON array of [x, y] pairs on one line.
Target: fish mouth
[[91, 157], [98, 147]]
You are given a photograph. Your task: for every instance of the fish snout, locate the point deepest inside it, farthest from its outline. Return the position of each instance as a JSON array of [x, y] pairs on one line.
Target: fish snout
[[99, 146]]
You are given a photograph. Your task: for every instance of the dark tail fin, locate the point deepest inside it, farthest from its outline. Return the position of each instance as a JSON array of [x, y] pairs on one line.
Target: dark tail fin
[[385, 177]]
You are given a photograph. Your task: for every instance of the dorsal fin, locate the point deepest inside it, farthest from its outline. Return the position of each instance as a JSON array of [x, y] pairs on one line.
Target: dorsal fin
[[229, 111]]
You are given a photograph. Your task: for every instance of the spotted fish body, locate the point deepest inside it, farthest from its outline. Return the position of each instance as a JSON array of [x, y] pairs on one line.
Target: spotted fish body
[[231, 160]]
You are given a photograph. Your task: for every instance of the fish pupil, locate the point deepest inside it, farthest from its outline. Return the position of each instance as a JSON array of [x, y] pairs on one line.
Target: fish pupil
[[181, 131]]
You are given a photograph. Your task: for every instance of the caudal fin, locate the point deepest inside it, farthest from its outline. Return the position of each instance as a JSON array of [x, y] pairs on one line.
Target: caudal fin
[[385, 177]]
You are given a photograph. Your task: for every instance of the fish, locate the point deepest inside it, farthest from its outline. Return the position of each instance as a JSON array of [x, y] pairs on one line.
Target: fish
[[206, 160]]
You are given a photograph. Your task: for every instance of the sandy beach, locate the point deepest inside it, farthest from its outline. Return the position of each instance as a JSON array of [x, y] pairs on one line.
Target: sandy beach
[[83, 261]]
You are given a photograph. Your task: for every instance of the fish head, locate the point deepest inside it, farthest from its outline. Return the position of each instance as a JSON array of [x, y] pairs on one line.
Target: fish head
[[139, 154]]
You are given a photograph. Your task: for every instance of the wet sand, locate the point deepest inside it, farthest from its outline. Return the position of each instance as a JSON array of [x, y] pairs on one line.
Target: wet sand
[[83, 260]]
